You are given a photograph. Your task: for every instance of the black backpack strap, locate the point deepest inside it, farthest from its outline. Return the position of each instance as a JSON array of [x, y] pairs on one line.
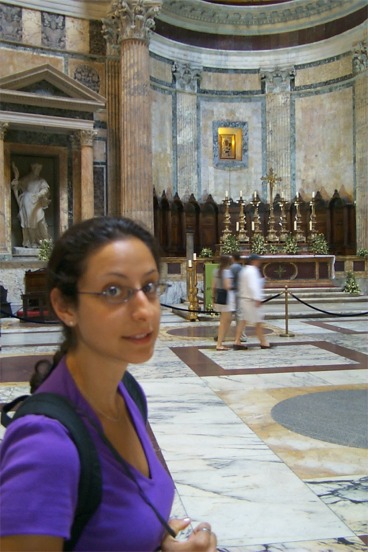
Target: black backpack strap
[[135, 391], [90, 481]]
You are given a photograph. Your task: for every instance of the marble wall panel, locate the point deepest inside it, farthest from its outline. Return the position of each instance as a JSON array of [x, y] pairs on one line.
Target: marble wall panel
[[229, 81], [324, 143], [77, 35], [14, 61], [215, 181], [31, 27], [162, 145], [160, 70], [324, 72]]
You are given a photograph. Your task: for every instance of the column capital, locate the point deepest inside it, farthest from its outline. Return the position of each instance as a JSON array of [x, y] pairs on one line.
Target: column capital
[[278, 80], [360, 57], [3, 128], [86, 137], [186, 76], [130, 19]]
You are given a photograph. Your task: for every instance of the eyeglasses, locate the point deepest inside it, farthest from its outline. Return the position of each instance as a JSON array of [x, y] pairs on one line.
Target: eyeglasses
[[122, 294]]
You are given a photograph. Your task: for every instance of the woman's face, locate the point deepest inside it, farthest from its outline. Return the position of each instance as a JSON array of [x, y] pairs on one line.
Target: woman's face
[[119, 332]]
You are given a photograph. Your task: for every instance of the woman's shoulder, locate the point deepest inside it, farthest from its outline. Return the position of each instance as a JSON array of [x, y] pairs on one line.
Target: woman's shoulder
[[39, 437]]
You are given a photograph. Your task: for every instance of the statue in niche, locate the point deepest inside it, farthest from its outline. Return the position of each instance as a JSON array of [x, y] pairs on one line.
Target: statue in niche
[[32, 195]]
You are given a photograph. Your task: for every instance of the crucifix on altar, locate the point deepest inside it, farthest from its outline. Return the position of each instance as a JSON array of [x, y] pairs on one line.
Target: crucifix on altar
[[271, 178]]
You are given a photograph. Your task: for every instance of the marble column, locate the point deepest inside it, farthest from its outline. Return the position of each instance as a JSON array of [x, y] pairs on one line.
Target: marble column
[[110, 31], [5, 197], [129, 24], [186, 81], [113, 137], [87, 190], [76, 179], [360, 69], [277, 88]]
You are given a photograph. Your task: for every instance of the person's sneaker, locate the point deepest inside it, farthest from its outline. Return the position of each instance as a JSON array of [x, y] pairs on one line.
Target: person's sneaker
[[244, 338]]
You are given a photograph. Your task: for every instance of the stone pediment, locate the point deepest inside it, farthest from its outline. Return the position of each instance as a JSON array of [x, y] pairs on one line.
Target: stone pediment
[[45, 86]]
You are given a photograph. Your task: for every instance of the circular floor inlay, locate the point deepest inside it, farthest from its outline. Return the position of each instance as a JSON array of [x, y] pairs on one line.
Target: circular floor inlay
[[334, 416]]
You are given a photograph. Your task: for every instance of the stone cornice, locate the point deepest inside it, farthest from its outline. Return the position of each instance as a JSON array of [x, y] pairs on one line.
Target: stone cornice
[[200, 16], [218, 59]]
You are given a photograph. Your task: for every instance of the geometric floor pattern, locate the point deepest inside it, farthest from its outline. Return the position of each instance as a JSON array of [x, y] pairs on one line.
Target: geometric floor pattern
[[261, 482]]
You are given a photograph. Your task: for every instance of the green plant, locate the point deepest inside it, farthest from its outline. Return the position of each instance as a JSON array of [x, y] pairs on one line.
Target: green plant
[[351, 285], [318, 245], [258, 245], [230, 245], [45, 249], [272, 249], [206, 252], [362, 252], [291, 245]]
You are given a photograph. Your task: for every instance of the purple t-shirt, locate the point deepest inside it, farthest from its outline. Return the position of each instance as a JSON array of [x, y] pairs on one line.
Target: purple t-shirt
[[40, 473]]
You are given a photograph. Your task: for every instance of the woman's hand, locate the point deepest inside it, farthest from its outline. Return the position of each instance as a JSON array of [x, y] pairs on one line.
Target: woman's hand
[[200, 540]]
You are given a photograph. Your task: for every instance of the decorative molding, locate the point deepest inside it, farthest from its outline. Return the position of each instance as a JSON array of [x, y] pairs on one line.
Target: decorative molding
[[92, 9], [49, 88], [3, 129], [46, 123], [310, 53], [86, 137], [186, 77], [130, 19], [360, 57], [201, 16], [278, 80]]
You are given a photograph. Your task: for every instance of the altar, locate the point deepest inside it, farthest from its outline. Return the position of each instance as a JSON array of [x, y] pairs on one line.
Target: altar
[[298, 270]]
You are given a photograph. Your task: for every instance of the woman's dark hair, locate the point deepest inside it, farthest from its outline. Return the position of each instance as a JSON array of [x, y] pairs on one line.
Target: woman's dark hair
[[69, 258], [225, 262]]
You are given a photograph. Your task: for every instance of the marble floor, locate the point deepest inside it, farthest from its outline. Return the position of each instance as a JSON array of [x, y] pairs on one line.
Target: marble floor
[[262, 486]]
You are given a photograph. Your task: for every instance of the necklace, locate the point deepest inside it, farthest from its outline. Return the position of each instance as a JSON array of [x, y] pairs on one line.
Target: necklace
[[111, 418], [115, 419]]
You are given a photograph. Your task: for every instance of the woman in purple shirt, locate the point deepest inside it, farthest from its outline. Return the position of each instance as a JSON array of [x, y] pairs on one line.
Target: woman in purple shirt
[[104, 281]]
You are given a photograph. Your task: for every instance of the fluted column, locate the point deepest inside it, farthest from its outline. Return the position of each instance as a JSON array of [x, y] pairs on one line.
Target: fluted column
[[129, 24], [277, 88], [5, 198], [360, 68], [76, 171], [87, 190], [186, 79]]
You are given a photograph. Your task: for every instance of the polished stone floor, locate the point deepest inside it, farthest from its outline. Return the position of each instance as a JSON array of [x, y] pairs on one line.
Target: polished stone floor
[[262, 485]]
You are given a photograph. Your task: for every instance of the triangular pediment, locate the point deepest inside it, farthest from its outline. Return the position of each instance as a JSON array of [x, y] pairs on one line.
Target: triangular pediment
[[46, 86]]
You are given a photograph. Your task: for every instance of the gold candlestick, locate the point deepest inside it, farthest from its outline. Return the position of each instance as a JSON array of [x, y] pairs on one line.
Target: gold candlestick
[[271, 179], [312, 219], [242, 235], [226, 231], [256, 222], [297, 222], [282, 221]]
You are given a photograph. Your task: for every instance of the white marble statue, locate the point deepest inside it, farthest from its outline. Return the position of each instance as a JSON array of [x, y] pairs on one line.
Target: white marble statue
[[32, 195]]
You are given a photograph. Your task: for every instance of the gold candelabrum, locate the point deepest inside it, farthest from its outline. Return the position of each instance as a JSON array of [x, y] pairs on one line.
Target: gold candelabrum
[[282, 221], [226, 231], [256, 222], [242, 234], [297, 221], [193, 291], [312, 219]]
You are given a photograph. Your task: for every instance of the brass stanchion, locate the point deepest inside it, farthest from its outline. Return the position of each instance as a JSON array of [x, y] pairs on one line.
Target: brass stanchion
[[192, 292], [287, 333]]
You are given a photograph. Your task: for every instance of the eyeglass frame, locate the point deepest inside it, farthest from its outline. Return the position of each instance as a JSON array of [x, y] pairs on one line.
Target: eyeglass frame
[[130, 291]]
